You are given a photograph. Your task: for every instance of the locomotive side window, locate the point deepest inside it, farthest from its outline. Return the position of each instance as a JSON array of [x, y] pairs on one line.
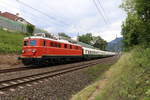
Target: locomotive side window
[[44, 43], [70, 46], [25, 43], [59, 45], [52, 44], [32, 42], [65, 45], [55, 44], [76, 47]]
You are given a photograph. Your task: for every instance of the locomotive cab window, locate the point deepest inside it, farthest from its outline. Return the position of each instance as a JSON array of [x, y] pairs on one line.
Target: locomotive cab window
[[33, 43], [25, 43]]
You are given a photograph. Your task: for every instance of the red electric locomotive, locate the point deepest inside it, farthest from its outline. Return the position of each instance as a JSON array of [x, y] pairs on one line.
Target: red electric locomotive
[[40, 50]]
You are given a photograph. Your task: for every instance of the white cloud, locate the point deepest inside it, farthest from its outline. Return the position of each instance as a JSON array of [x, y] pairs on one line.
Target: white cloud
[[70, 16], [10, 6], [111, 32]]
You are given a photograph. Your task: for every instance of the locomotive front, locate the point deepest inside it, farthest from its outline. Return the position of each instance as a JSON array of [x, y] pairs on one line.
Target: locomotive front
[[32, 50]]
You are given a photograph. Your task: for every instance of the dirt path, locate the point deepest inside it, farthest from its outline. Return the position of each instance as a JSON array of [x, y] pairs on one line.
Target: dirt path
[[101, 84], [9, 61]]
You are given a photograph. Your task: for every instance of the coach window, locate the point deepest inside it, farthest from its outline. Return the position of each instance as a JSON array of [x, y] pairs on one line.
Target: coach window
[[86, 51], [65, 45], [25, 43]]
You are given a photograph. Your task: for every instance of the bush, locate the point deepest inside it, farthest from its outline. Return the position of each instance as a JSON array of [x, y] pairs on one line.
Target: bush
[[30, 29]]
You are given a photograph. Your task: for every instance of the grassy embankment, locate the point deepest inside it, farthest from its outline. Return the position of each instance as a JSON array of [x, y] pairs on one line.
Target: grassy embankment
[[10, 42], [128, 79]]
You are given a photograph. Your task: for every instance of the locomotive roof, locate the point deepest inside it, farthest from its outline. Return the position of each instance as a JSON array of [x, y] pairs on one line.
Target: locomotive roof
[[61, 41]]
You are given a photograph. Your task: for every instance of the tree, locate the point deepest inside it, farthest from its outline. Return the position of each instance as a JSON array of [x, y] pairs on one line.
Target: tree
[[136, 28], [130, 31], [30, 29], [63, 35], [97, 42], [87, 38]]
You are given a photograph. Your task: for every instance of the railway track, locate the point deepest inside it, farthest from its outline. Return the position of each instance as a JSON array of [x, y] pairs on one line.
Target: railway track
[[14, 69], [23, 68], [32, 79]]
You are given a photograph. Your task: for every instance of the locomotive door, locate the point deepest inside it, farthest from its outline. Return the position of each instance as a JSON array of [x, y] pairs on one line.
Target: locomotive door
[[44, 47]]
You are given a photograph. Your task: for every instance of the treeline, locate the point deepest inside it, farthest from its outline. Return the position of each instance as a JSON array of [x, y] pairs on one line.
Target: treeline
[[95, 41], [136, 28]]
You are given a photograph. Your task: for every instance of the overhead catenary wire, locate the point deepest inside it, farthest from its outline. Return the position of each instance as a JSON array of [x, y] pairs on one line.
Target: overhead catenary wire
[[29, 14], [99, 2], [36, 19], [99, 11], [43, 13]]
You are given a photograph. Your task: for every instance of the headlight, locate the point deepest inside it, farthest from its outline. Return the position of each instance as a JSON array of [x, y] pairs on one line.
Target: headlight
[[23, 51], [34, 51]]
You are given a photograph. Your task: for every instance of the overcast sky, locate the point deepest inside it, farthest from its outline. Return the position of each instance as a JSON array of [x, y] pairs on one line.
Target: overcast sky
[[71, 16]]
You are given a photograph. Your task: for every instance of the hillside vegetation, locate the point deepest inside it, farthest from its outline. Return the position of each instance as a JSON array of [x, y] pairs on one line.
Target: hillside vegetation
[[128, 79], [10, 42]]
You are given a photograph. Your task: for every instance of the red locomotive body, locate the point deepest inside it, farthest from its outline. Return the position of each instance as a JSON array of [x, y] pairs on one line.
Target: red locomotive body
[[37, 50]]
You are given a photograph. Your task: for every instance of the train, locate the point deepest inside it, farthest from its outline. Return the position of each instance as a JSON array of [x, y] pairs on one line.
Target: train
[[42, 49]]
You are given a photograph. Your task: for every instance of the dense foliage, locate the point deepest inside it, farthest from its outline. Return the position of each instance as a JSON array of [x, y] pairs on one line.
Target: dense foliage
[[136, 28], [30, 29], [63, 35], [97, 42]]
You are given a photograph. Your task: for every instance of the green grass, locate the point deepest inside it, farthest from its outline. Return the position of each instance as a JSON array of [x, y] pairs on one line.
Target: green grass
[[95, 73], [85, 93], [128, 79], [10, 42]]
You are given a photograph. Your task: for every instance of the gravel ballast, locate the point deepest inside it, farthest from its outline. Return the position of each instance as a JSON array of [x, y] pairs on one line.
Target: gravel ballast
[[56, 88]]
